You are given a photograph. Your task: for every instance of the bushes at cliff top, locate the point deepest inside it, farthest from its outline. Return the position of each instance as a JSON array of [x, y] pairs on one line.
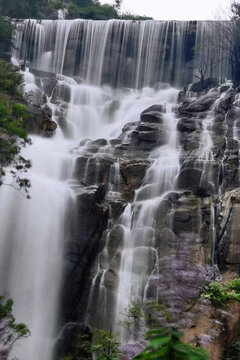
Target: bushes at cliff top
[[39, 9]]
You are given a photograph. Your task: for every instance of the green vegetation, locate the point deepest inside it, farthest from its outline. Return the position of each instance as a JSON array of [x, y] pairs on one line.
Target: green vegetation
[[149, 315], [5, 34], [165, 344], [13, 134], [220, 294], [87, 9], [10, 330], [102, 344], [105, 346], [233, 350]]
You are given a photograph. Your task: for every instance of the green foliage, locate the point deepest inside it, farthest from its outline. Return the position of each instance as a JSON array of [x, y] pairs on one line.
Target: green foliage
[[10, 79], [165, 344], [28, 8], [13, 134], [87, 9], [148, 315], [94, 11], [105, 346], [82, 347], [55, 4], [220, 294], [5, 33], [102, 344], [10, 330], [133, 316], [129, 16], [232, 351]]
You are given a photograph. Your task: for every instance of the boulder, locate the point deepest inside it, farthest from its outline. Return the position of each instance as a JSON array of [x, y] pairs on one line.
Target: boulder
[[132, 174], [201, 104], [36, 97], [225, 102], [48, 126], [61, 92], [46, 112], [153, 114], [234, 113], [45, 80], [193, 179], [206, 84], [149, 138], [187, 125]]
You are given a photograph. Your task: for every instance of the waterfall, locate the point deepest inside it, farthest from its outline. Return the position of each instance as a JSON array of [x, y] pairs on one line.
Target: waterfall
[[98, 77], [119, 53], [32, 236]]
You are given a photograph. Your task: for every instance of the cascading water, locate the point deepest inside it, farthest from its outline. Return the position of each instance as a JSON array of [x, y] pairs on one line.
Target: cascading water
[[139, 256], [128, 53], [85, 55], [32, 236]]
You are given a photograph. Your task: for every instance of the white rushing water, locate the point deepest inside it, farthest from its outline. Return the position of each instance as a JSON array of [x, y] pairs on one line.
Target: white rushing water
[[139, 258], [85, 55], [120, 53], [32, 231], [31, 243]]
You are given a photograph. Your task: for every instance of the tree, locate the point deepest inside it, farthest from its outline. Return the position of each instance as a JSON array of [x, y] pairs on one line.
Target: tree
[[165, 344], [207, 59], [227, 39], [10, 331], [118, 4], [105, 346]]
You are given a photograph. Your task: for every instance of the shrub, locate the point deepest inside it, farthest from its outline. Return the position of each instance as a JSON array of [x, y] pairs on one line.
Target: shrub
[[165, 344], [220, 294]]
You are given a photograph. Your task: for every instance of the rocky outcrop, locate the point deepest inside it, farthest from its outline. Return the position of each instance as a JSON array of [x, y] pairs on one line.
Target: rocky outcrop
[[90, 219], [229, 232], [194, 225], [210, 326]]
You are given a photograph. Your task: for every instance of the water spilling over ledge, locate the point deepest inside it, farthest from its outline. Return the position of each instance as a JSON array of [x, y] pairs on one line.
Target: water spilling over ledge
[[128, 181], [120, 53]]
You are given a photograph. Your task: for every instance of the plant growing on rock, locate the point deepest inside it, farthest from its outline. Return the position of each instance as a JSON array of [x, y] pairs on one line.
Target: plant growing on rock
[[101, 343], [220, 294], [166, 344], [105, 346], [233, 350], [10, 331], [13, 134], [137, 318]]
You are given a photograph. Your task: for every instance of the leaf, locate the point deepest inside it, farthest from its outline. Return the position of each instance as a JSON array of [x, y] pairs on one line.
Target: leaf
[[160, 341]]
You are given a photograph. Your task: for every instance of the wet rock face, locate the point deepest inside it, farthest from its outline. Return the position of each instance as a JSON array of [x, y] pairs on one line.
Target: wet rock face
[[132, 173], [229, 232], [89, 221], [198, 105], [210, 326], [204, 85], [153, 114], [186, 221]]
